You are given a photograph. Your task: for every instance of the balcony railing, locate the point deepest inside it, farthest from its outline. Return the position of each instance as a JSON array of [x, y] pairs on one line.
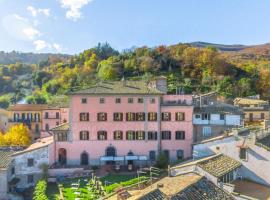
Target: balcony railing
[[23, 120], [175, 103]]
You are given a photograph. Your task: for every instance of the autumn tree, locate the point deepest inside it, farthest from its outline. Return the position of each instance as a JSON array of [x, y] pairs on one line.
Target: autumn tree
[[17, 135]]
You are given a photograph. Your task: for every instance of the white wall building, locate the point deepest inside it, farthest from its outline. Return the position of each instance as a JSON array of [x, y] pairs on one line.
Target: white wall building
[[255, 159]]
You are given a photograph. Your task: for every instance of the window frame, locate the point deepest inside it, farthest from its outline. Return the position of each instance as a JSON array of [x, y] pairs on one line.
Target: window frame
[[180, 135], [152, 135], [84, 100], [166, 135], [84, 117], [163, 116], [118, 118], [180, 116], [101, 116], [119, 134], [102, 135], [132, 134], [152, 116], [84, 135], [30, 164]]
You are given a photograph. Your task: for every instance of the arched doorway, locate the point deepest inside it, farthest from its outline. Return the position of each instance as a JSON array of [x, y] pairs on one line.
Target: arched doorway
[[130, 162], [62, 156], [110, 151], [84, 158]]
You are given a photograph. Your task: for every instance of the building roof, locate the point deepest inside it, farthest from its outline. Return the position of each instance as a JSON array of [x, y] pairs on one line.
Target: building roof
[[37, 145], [119, 87], [219, 108], [28, 107], [5, 158], [184, 187], [264, 142], [219, 165], [171, 186], [61, 127], [249, 101], [201, 190]]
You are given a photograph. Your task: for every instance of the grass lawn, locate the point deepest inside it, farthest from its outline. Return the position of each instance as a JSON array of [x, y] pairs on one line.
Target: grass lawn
[[87, 194]]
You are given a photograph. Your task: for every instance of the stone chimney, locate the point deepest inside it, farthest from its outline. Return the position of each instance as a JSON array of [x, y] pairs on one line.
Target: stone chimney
[[161, 84]]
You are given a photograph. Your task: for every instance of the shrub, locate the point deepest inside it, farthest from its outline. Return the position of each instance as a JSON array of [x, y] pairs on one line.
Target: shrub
[[162, 161], [40, 191]]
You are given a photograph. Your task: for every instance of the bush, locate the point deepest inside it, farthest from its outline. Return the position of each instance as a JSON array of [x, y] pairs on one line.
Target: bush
[[113, 187], [40, 191], [162, 161]]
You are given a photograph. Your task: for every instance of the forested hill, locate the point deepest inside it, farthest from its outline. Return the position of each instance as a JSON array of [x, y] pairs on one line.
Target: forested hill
[[27, 58], [242, 72]]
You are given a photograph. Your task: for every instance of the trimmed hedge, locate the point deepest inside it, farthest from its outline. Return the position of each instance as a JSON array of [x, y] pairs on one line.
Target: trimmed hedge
[[112, 187], [40, 191]]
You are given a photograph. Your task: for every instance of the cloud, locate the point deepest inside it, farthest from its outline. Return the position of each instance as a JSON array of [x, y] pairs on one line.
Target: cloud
[[31, 33], [20, 27], [73, 8], [41, 45], [35, 11]]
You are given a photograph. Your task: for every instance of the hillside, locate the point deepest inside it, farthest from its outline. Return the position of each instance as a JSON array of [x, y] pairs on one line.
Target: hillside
[[26, 58], [242, 72]]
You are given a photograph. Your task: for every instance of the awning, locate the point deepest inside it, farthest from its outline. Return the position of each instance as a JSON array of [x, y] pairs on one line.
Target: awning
[[119, 158], [131, 157], [112, 158], [107, 158], [143, 158]]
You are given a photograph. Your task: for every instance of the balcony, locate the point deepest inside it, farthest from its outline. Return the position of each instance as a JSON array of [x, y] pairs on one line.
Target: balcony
[[175, 103], [23, 120]]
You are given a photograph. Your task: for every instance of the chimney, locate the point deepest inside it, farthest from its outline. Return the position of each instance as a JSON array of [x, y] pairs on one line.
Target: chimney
[[124, 82], [161, 84]]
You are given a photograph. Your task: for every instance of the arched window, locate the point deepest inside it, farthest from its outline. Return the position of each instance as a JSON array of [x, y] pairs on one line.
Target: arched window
[[110, 151], [84, 158], [62, 156]]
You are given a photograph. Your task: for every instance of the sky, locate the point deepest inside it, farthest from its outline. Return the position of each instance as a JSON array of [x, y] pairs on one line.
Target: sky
[[71, 26]]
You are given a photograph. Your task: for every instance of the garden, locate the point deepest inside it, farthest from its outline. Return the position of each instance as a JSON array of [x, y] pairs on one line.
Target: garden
[[87, 188]]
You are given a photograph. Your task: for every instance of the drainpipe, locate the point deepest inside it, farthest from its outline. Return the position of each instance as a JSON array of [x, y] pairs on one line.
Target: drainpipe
[[159, 125]]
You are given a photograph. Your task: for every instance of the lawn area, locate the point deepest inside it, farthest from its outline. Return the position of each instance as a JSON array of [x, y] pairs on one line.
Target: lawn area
[[88, 192]]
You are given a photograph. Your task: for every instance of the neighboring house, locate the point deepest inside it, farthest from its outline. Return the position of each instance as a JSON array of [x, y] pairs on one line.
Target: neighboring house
[[217, 168], [3, 120], [5, 172], [254, 109], [39, 118], [125, 122], [185, 186], [28, 114], [52, 117], [251, 148], [212, 118], [27, 163]]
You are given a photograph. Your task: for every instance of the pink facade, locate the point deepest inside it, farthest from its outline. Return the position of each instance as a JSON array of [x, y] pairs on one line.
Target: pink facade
[[52, 117], [83, 135]]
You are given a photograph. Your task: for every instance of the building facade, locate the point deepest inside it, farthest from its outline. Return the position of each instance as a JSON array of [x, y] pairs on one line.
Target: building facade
[[245, 147], [212, 117], [39, 118], [3, 120], [254, 109], [126, 122]]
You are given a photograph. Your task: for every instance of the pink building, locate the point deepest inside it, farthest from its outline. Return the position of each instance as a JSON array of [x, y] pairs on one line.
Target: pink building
[[52, 117], [127, 122]]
